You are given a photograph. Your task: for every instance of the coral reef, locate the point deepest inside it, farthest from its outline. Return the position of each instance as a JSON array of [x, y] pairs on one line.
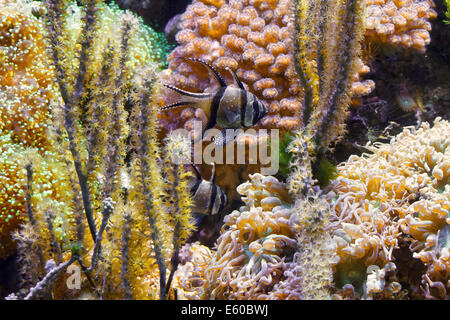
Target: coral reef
[[84, 206], [26, 86], [399, 193], [94, 196], [253, 38], [380, 231], [51, 190], [400, 23], [26, 91], [253, 251], [326, 66], [256, 39]]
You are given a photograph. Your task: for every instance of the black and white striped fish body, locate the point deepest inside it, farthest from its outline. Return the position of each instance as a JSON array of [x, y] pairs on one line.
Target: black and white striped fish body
[[228, 107], [237, 108], [208, 198]]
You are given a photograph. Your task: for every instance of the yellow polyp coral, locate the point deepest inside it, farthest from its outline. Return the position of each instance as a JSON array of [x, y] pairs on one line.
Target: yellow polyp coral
[[326, 33], [398, 193], [26, 86], [50, 191], [402, 23]]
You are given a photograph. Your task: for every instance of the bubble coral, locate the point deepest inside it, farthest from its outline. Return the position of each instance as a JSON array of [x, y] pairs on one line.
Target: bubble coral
[[254, 248], [189, 278], [399, 193], [269, 249], [400, 22]]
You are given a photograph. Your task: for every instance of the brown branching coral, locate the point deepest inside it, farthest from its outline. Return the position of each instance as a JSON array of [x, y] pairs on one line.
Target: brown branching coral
[[398, 193], [400, 22]]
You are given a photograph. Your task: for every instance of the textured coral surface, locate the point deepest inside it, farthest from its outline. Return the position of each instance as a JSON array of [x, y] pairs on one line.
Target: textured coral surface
[[253, 252], [399, 193], [400, 22], [253, 38], [26, 85], [26, 89]]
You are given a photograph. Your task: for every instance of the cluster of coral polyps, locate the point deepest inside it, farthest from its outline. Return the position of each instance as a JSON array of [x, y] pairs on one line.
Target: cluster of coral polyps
[[254, 250], [26, 85], [400, 22], [50, 191], [251, 37], [400, 193], [255, 39], [381, 231], [26, 88]]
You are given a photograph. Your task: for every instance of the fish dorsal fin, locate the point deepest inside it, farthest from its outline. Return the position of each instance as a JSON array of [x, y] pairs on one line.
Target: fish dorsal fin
[[236, 78], [213, 172], [177, 104], [187, 93], [197, 173], [216, 74]]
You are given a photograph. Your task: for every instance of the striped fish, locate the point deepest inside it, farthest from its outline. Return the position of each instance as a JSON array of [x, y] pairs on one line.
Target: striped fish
[[229, 107], [208, 198]]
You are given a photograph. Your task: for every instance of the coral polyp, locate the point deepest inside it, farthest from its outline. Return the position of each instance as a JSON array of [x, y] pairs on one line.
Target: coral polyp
[[398, 194], [26, 82]]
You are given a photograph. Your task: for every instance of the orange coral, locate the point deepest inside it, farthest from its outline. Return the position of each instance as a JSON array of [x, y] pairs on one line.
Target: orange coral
[[253, 38], [256, 40], [400, 22], [26, 85], [50, 190], [26, 88]]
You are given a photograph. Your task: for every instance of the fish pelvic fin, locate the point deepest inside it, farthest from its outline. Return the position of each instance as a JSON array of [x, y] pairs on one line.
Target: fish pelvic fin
[[177, 104]]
